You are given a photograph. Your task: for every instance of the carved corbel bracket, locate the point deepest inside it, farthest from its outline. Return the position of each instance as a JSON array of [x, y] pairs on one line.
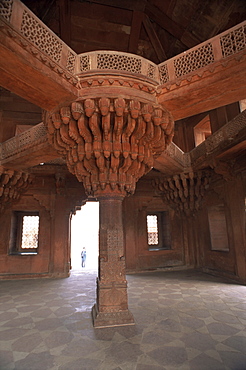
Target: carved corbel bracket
[[109, 143], [184, 191], [225, 169], [46, 201], [12, 184]]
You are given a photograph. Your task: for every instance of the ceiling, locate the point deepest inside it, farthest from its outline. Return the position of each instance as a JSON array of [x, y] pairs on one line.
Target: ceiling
[[154, 29]]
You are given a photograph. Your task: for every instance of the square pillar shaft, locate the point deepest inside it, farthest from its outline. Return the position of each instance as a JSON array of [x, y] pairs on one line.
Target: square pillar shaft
[[111, 308]]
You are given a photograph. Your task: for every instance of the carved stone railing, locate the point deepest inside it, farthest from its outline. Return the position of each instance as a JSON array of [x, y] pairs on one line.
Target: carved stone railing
[[35, 31], [213, 50], [194, 60], [117, 61], [174, 152], [29, 138], [227, 133], [38, 134]]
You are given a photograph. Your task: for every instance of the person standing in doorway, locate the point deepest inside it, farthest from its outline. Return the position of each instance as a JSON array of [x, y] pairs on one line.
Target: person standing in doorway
[[83, 257]]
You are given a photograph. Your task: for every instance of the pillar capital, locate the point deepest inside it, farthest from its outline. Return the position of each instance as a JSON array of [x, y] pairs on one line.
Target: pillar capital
[[109, 194], [110, 142]]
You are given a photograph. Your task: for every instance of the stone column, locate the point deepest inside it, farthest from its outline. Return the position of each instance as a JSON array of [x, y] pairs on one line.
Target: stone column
[[108, 144], [111, 307]]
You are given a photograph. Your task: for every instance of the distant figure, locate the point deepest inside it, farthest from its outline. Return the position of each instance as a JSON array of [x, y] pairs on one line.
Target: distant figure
[[83, 257]]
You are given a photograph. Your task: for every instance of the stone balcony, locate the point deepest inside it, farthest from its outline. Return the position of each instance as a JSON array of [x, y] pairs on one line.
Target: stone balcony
[[58, 68], [200, 62]]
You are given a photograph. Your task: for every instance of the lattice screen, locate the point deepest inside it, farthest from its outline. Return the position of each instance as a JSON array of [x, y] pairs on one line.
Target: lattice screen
[[119, 62], [233, 42], [194, 60], [151, 71], [6, 9], [152, 229], [41, 37], [30, 232], [71, 62], [84, 63], [164, 77]]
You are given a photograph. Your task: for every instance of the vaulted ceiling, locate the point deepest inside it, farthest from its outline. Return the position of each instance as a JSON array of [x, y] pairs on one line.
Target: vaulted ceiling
[[154, 29]]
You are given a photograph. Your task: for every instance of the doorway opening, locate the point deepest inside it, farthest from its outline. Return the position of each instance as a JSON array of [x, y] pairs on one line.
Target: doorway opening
[[84, 236]]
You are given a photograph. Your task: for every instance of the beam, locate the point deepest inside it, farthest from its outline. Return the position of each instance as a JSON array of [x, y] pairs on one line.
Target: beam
[[137, 18], [214, 87], [168, 24], [126, 4], [29, 73], [65, 21], [46, 9], [32, 156], [154, 39]]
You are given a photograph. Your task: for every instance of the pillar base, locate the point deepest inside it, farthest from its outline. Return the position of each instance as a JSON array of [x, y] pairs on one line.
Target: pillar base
[[109, 319]]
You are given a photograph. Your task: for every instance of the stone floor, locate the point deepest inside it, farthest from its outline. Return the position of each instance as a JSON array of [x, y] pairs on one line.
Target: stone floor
[[184, 320]]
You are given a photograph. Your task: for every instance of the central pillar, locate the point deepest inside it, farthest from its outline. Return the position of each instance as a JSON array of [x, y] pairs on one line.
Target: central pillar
[[111, 308], [109, 143]]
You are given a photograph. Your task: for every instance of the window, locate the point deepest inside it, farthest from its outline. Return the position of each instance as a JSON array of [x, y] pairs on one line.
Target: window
[[218, 228], [202, 130], [158, 231], [24, 233], [242, 105], [152, 226]]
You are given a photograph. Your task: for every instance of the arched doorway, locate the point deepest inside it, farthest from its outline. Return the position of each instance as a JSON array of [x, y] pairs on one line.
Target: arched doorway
[[84, 234]]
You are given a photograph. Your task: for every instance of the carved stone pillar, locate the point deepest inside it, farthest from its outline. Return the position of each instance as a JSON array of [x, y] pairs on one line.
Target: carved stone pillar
[[112, 305], [109, 143]]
